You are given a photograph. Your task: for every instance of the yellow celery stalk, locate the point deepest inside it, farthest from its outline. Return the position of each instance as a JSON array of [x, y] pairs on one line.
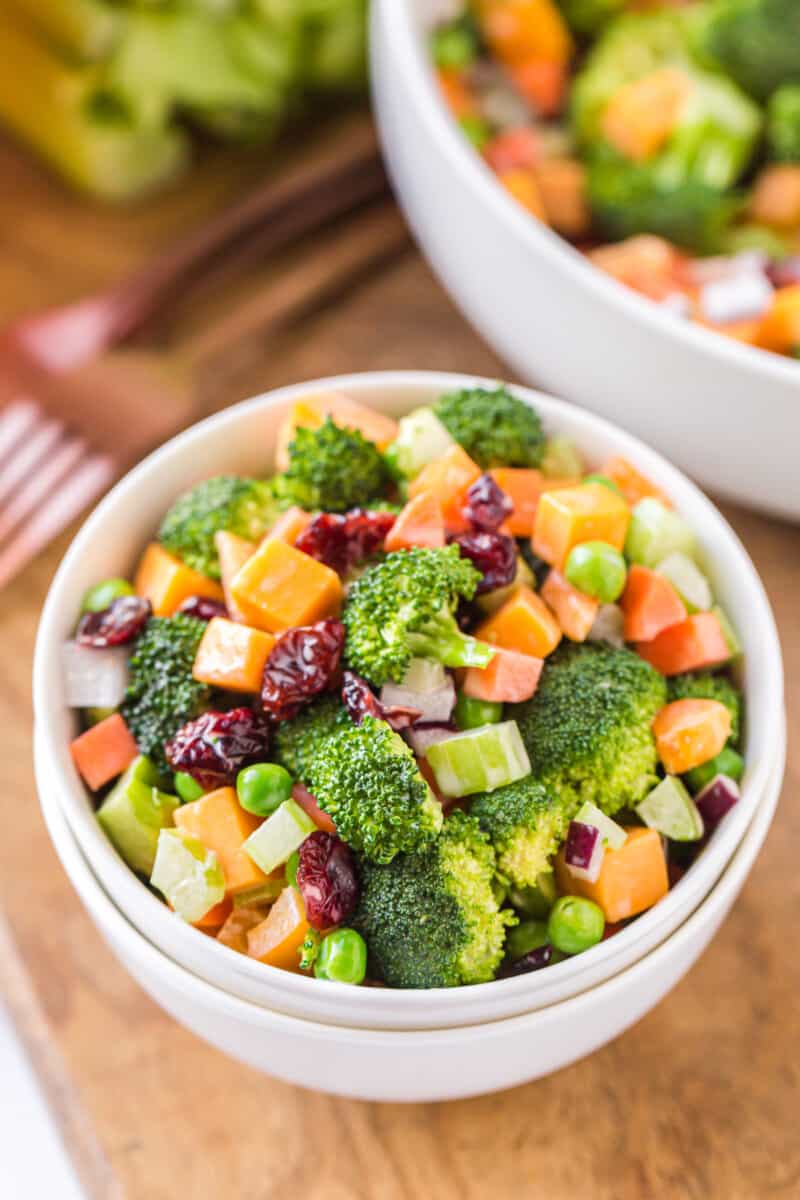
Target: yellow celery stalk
[[86, 29]]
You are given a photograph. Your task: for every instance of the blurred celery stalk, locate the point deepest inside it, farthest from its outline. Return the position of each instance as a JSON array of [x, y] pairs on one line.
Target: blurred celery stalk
[[86, 29], [68, 114]]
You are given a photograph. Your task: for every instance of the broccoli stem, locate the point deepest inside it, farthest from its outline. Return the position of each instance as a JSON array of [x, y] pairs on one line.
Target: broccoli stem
[[442, 640]]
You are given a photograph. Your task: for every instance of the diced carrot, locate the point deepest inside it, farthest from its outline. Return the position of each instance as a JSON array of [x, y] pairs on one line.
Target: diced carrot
[[697, 642], [525, 31], [645, 262], [232, 656], [775, 198], [779, 328], [569, 516], [509, 678], [631, 879], [456, 92], [747, 332], [516, 147], [650, 604], [524, 486], [278, 938], [222, 825], [642, 114], [690, 732], [524, 623], [522, 185], [542, 82], [216, 916], [280, 587], [421, 523], [562, 185], [104, 751], [448, 479], [633, 485], [290, 525], [236, 928], [575, 611], [302, 796], [233, 552], [311, 411], [166, 582]]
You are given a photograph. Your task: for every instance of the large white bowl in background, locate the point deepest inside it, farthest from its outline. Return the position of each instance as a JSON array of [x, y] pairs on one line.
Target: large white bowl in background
[[728, 414], [242, 439], [371, 1064]]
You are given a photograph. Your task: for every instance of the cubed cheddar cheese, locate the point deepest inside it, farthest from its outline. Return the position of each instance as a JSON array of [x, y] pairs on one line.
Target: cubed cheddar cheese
[[277, 939], [524, 486], [448, 479], [290, 525], [280, 587], [232, 656], [233, 552], [222, 825], [631, 879], [524, 623], [166, 582], [569, 516]]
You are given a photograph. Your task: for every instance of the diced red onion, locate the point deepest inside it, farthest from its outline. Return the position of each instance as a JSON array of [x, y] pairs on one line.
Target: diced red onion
[[716, 799], [94, 678], [712, 270], [736, 299], [435, 706], [584, 851], [422, 736], [785, 273]]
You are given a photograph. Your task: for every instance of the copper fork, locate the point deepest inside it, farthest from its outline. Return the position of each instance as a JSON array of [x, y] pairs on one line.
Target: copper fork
[[76, 410]]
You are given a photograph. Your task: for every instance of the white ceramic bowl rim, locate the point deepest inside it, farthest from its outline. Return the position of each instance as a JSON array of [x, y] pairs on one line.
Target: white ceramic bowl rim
[[73, 797], [404, 37]]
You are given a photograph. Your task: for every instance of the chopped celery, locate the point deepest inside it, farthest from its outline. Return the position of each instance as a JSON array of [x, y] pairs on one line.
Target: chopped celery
[[562, 459], [671, 810], [424, 675], [421, 438], [688, 580], [655, 532], [479, 760], [728, 632], [187, 874], [281, 834], [134, 813], [613, 835]]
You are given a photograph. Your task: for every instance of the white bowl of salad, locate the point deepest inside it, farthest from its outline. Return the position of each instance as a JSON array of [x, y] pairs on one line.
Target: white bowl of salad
[[444, 1064], [474, 733], [605, 194]]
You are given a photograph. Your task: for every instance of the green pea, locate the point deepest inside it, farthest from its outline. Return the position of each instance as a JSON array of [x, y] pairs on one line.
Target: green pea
[[291, 868], [454, 47], [263, 788], [526, 936], [187, 788], [471, 713], [342, 957], [606, 482], [99, 597], [727, 762], [598, 570], [575, 924]]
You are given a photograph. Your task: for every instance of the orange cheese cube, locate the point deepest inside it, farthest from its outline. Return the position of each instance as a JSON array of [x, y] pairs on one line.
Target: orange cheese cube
[[280, 587], [232, 656], [448, 479], [104, 751], [569, 516], [222, 825], [779, 328], [575, 611], [290, 525], [233, 552], [641, 115], [524, 486], [631, 879], [524, 623], [278, 938], [166, 582]]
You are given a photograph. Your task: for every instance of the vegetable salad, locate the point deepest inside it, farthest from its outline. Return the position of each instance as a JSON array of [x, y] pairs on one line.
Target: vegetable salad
[[434, 704], [662, 137]]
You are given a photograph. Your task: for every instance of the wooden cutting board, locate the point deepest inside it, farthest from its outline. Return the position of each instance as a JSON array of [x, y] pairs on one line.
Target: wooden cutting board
[[697, 1102]]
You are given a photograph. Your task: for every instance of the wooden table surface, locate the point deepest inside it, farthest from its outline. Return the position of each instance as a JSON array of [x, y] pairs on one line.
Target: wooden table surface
[[699, 1101]]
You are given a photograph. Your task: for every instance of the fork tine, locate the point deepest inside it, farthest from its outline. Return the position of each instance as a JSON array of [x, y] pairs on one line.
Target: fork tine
[[15, 421], [34, 490], [29, 456], [91, 478]]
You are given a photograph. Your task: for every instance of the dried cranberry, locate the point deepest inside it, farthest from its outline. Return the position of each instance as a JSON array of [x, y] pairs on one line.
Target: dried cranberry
[[534, 961], [302, 663], [341, 541], [487, 505], [786, 272], [214, 747], [203, 608], [494, 555], [327, 879], [121, 622], [360, 701]]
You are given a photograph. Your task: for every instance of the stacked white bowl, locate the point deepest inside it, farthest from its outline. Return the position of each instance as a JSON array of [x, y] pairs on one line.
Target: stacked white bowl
[[378, 1042]]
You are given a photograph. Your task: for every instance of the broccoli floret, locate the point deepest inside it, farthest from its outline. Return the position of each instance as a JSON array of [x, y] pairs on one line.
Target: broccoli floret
[[163, 694], [432, 919], [588, 727], [402, 608], [525, 827], [494, 427], [783, 123], [227, 502], [366, 778], [755, 42], [332, 469], [297, 741], [588, 16], [707, 685]]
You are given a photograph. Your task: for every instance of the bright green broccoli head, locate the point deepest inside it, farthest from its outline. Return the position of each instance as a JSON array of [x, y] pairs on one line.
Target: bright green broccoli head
[[403, 608], [296, 742], [783, 123], [334, 45], [525, 826], [163, 694], [226, 502], [494, 427], [332, 469], [588, 727], [708, 685], [366, 778], [755, 42], [431, 919]]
